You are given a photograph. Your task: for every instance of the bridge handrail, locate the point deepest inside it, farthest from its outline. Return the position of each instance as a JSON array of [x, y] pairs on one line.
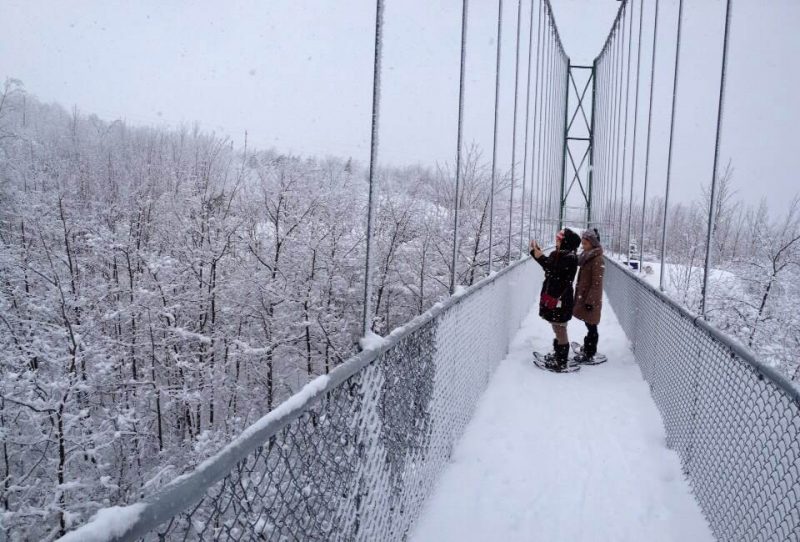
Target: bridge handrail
[[736, 347], [733, 420], [188, 489]]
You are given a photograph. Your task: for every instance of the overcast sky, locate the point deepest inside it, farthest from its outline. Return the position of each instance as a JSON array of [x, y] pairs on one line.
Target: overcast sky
[[297, 75]]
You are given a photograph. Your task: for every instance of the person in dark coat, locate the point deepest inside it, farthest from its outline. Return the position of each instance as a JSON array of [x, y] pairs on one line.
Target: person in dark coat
[[589, 289], [556, 299]]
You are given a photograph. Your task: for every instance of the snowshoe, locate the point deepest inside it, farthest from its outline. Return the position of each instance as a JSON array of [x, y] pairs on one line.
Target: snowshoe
[[548, 362], [583, 359]]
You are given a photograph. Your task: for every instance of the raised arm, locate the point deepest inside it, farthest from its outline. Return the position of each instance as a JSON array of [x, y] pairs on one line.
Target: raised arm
[[552, 263]]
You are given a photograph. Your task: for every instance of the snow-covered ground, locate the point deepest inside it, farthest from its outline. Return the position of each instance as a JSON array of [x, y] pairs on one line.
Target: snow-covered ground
[[564, 457], [651, 272]]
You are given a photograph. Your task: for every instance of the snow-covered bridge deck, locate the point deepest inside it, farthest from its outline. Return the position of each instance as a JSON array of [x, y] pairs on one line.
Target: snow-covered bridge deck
[[578, 456]]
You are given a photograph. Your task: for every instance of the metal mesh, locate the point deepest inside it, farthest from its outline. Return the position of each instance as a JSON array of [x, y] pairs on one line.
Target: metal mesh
[[360, 458], [734, 423]]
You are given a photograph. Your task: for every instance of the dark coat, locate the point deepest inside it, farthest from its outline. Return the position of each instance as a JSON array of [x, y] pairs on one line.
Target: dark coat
[[560, 267], [589, 288]]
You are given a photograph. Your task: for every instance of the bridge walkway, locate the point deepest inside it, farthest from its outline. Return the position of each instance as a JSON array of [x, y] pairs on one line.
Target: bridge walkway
[[579, 457]]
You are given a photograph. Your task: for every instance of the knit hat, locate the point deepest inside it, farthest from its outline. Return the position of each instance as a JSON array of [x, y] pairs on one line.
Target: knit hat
[[593, 236]]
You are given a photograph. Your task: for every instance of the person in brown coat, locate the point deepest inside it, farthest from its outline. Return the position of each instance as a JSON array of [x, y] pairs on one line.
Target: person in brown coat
[[589, 289]]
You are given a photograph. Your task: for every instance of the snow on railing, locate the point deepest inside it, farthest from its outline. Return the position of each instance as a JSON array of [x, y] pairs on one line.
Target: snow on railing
[[734, 421], [355, 453]]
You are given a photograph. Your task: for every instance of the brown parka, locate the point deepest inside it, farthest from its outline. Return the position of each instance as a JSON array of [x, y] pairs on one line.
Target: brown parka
[[589, 288]]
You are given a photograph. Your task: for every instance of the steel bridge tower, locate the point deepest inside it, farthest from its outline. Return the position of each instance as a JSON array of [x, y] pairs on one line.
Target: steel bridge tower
[[575, 204]]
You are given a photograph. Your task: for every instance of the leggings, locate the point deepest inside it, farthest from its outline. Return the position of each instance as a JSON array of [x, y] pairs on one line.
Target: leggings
[[561, 333]]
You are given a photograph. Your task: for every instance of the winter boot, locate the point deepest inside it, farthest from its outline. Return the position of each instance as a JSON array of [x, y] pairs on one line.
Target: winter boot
[[551, 359], [590, 345], [562, 355], [559, 359]]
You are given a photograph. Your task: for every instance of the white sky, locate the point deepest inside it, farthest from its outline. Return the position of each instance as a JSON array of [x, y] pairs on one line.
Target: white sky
[[297, 75]]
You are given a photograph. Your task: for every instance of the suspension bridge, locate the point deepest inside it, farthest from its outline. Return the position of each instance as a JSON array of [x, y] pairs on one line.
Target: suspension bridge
[[444, 430]]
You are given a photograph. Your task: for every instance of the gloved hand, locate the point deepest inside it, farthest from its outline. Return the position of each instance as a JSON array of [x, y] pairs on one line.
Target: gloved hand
[[588, 307]]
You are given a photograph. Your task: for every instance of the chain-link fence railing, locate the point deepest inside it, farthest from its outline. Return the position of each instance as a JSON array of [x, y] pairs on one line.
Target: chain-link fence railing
[[353, 456], [734, 422]]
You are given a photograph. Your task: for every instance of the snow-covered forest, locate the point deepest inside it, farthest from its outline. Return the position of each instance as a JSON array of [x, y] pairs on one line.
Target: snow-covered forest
[[160, 290], [754, 284]]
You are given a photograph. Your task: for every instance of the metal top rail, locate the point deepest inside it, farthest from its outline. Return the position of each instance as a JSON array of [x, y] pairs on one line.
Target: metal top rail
[[181, 493], [735, 346]]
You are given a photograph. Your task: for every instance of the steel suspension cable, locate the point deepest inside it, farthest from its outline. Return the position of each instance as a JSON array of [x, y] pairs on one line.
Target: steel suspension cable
[[635, 126], [554, 155], [623, 119], [611, 131], [560, 156], [669, 148], [622, 128], [548, 128], [366, 324], [610, 116], [458, 142], [527, 119], [600, 133], [546, 131], [494, 140], [551, 130], [514, 137], [592, 141], [548, 189], [608, 149], [649, 130], [594, 166], [534, 178], [598, 141], [720, 107], [608, 131], [565, 100], [627, 122], [559, 150], [537, 126], [557, 135], [618, 64], [552, 148], [616, 114], [599, 137]]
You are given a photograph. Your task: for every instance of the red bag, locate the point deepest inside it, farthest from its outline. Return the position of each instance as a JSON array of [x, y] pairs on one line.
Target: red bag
[[548, 301]]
